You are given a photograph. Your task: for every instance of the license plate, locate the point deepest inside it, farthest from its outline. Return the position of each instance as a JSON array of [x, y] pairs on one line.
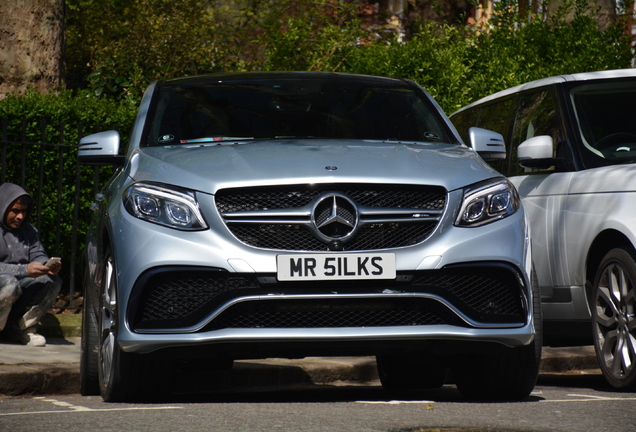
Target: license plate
[[336, 266]]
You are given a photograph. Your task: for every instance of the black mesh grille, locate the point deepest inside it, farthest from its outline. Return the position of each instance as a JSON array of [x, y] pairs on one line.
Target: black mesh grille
[[335, 313], [489, 293], [391, 235], [183, 298], [283, 236], [272, 236], [297, 237]]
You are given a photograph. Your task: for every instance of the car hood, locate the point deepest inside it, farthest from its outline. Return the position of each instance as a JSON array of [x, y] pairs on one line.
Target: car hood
[[209, 168]]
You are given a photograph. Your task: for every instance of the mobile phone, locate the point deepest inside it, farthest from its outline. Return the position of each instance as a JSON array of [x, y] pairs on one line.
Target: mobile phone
[[52, 261]]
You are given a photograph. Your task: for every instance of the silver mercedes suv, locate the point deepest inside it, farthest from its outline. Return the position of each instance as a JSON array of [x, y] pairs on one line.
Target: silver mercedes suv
[[305, 214]]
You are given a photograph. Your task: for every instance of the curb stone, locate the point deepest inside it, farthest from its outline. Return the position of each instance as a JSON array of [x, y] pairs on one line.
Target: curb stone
[[18, 380]]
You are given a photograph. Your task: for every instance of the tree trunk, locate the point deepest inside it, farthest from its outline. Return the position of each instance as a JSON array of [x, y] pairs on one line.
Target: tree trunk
[[31, 45]]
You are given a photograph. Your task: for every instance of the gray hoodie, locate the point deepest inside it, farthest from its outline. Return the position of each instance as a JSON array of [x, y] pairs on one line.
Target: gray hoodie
[[18, 247]]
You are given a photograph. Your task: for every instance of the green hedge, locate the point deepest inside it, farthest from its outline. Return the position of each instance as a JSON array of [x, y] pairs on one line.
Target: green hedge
[[456, 64], [58, 120]]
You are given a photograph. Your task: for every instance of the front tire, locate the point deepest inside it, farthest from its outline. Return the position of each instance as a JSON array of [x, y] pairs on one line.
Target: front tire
[[125, 377], [89, 379], [613, 320], [115, 367]]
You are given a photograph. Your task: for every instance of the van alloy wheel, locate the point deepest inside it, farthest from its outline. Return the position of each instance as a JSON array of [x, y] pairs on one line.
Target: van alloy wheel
[[614, 323]]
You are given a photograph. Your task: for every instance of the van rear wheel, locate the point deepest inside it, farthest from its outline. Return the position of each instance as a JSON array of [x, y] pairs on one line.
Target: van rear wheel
[[613, 318]]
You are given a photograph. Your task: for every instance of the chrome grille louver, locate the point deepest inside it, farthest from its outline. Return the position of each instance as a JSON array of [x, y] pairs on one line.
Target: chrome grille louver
[[280, 217]]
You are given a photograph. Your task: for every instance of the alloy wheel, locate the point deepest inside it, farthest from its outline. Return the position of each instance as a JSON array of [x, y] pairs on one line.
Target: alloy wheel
[[615, 324], [107, 323]]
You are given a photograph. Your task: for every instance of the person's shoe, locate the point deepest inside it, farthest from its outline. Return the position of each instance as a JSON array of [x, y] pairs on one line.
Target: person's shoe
[[33, 339], [25, 337]]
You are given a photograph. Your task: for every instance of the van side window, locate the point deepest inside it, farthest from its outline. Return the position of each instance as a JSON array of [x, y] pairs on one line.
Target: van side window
[[536, 115]]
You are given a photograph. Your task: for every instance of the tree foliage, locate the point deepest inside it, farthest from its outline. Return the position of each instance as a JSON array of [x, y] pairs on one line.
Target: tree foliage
[[568, 41], [458, 65], [307, 35], [118, 47]]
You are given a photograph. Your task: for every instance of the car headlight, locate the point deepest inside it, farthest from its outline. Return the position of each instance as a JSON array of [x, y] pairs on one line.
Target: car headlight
[[487, 202], [164, 206]]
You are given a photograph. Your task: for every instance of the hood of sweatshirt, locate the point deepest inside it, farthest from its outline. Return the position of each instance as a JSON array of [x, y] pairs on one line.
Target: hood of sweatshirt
[[9, 192]]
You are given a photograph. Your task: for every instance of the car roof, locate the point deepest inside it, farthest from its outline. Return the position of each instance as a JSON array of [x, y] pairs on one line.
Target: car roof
[[583, 76], [255, 76]]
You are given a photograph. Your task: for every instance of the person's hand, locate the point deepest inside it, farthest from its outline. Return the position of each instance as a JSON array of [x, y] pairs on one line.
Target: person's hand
[[35, 269], [55, 268]]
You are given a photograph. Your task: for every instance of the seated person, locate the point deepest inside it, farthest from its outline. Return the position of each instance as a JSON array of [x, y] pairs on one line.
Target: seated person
[[28, 288]]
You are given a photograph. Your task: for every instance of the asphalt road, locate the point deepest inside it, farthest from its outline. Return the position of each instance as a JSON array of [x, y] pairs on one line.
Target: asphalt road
[[576, 403]]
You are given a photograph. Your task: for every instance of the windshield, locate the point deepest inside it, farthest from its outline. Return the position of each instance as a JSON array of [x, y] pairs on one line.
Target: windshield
[[196, 113], [605, 115]]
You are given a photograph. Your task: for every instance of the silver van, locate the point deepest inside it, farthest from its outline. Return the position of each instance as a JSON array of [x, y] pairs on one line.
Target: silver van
[[571, 153]]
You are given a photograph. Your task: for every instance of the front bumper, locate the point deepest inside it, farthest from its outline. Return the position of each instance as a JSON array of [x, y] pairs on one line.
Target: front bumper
[[178, 306]]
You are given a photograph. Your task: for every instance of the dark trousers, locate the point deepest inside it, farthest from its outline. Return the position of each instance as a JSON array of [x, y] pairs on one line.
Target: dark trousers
[[27, 299]]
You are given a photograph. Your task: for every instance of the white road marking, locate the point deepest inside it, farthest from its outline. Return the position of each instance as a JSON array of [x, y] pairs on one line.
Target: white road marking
[[78, 408], [575, 398], [589, 398], [429, 404], [394, 402]]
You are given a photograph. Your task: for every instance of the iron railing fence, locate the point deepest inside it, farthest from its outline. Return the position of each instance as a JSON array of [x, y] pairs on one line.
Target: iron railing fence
[[42, 158]]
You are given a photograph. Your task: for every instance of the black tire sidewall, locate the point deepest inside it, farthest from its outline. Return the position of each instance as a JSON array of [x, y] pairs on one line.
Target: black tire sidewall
[[510, 374], [89, 358]]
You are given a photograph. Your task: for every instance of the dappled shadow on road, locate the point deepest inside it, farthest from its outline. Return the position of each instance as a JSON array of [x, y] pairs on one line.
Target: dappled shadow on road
[[322, 393], [328, 394], [240, 385], [290, 384]]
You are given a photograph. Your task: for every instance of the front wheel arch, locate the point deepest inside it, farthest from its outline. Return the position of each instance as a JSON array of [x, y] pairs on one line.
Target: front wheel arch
[[602, 244]]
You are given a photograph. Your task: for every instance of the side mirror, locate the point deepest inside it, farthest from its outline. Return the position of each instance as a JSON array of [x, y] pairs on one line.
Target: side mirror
[[488, 144], [537, 152], [101, 148]]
